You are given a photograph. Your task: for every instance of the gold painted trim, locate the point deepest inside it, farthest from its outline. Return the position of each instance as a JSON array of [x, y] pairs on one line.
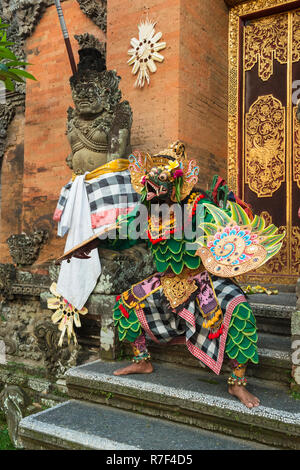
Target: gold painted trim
[[289, 140]]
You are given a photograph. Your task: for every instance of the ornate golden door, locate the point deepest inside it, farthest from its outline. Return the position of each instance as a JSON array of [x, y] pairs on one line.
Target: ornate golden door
[[264, 132]]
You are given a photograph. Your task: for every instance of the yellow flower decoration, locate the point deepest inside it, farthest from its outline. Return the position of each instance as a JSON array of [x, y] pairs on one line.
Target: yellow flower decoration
[[172, 165], [66, 314]]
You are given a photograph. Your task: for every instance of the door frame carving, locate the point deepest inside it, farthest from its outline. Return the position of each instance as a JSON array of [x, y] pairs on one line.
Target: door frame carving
[[237, 15]]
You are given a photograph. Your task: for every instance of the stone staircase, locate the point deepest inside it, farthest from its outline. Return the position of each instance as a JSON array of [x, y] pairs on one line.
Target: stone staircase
[[182, 406]]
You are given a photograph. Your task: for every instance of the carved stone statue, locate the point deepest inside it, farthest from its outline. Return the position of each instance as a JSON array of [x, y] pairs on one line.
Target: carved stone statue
[[99, 127]]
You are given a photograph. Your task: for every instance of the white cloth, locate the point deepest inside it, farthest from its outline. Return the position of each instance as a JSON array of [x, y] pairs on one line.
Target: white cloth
[[78, 278]]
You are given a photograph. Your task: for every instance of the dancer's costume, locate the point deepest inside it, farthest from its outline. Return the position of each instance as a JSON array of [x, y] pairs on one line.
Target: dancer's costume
[[192, 298]]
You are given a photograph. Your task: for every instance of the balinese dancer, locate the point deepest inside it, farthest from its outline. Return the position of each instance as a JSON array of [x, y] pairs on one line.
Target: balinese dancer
[[204, 241]]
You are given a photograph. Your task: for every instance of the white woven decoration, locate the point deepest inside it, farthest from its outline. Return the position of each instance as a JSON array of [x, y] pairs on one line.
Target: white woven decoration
[[144, 52]]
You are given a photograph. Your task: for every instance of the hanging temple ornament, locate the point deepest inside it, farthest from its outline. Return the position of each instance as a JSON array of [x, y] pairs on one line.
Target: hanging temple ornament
[[65, 314], [144, 52]]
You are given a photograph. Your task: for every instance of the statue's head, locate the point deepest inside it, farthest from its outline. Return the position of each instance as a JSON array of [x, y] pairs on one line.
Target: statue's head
[[165, 177], [94, 89]]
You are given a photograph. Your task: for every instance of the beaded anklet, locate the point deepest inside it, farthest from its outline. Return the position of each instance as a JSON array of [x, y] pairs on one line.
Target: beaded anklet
[[141, 357], [235, 380]]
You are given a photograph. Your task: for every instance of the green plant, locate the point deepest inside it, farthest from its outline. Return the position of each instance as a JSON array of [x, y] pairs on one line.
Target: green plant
[[10, 70], [5, 442], [295, 394]]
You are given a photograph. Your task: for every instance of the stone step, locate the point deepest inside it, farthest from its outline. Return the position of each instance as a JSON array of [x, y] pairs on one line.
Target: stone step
[[83, 426], [274, 356], [273, 312], [283, 299], [194, 397]]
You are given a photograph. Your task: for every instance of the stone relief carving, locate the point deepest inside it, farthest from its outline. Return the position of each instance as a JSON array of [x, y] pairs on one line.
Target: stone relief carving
[[24, 249], [7, 277], [56, 359], [29, 335], [96, 11]]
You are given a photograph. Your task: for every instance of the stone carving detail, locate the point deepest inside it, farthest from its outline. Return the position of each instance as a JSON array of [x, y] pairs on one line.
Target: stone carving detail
[[56, 359], [24, 249], [96, 10], [7, 113], [17, 319], [14, 401], [7, 276], [88, 41], [99, 127], [26, 13]]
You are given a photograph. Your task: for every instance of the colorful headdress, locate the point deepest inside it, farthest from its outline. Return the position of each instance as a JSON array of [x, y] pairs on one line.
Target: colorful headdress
[[173, 158]]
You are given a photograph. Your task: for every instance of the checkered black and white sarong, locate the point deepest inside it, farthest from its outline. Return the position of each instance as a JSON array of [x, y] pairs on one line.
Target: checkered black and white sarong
[[109, 196], [185, 326]]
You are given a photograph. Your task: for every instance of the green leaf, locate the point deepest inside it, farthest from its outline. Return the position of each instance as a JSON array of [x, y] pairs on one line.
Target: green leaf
[[9, 85], [13, 76], [7, 54], [16, 63], [4, 43], [23, 73]]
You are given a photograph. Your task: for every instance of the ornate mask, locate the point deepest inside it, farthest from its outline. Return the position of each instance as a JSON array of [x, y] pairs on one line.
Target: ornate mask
[[168, 175]]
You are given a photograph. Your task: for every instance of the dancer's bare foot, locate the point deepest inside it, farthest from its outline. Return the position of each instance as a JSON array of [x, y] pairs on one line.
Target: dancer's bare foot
[[244, 396], [143, 367]]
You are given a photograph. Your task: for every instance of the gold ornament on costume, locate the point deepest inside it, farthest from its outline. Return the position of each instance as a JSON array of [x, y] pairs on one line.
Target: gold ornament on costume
[[65, 314], [144, 52], [175, 158], [178, 289]]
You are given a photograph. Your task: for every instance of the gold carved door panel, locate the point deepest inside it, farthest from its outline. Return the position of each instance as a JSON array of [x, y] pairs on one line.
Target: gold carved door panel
[[267, 133]]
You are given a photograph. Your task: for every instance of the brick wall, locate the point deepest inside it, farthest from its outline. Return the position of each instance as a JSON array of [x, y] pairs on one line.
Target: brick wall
[[155, 107], [203, 84], [187, 96]]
